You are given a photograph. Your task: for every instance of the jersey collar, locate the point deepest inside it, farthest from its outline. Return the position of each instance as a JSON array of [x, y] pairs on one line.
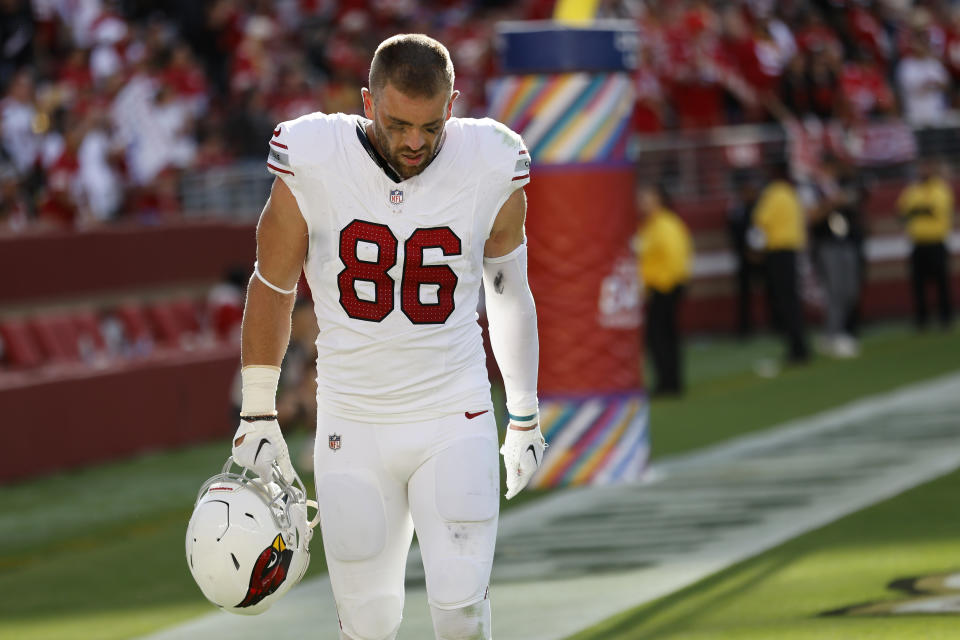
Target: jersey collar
[[380, 160]]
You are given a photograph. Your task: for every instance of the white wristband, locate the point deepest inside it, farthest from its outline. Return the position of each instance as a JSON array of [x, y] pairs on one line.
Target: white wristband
[[259, 389]]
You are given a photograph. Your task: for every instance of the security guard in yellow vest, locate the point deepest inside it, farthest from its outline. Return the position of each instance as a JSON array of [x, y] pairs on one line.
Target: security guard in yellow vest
[[665, 254], [927, 208], [780, 231]]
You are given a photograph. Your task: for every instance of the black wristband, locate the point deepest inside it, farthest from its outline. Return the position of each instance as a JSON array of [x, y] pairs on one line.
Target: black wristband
[[258, 418]]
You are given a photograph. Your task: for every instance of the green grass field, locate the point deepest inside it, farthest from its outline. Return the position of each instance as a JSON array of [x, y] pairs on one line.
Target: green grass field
[[98, 553], [783, 592]]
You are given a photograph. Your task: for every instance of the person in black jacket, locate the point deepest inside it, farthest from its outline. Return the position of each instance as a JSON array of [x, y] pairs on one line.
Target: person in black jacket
[[739, 220], [837, 232]]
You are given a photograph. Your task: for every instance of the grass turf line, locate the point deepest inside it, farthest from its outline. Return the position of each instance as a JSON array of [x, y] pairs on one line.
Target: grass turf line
[[98, 553], [782, 592]]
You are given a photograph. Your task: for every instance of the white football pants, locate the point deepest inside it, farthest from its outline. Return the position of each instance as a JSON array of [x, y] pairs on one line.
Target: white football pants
[[376, 483]]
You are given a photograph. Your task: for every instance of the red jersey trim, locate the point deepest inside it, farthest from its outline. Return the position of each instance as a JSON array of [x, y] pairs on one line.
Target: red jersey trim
[[285, 171], [523, 177], [523, 151], [278, 144]]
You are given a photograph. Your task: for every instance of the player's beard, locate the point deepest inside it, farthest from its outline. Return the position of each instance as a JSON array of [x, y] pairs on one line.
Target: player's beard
[[395, 156]]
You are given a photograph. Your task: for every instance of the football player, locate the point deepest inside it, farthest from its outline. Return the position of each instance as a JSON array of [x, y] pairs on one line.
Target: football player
[[396, 219]]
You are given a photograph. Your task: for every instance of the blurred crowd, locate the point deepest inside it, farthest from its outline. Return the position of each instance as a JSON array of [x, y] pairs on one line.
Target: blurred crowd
[[106, 103], [707, 63]]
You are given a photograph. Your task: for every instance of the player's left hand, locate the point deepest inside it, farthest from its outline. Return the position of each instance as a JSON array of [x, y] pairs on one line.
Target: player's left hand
[[522, 452]]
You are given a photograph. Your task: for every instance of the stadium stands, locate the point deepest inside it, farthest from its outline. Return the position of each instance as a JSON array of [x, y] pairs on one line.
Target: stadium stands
[[112, 109]]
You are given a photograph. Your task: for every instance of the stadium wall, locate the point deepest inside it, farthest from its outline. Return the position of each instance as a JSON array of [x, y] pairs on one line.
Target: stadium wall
[[70, 418], [47, 265]]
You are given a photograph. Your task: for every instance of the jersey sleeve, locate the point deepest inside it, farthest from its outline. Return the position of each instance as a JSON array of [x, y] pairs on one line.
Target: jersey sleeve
[[511, 160], [288, 158], [279, 162], [299, 152]]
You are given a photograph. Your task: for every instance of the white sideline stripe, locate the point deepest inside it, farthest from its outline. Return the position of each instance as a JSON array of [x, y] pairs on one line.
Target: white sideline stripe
[[555, 609]]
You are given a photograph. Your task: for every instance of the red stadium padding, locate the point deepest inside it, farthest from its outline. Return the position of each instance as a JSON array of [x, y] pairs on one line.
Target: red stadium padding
[[20, 347], [579, 227]]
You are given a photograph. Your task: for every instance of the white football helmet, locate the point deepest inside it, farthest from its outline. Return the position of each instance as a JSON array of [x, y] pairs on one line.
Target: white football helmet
[[247, 541]]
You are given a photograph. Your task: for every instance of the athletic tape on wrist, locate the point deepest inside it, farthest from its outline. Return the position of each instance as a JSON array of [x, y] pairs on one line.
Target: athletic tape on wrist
[[259, 390], [286, 292]]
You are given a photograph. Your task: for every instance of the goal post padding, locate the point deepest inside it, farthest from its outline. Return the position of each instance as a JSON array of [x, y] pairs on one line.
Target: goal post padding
[[569, 93]]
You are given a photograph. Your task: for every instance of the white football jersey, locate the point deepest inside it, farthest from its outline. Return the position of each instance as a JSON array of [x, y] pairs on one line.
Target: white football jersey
[[395, 267]]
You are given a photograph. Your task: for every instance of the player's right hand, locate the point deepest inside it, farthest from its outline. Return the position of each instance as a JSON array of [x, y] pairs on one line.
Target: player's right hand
[[258, 444]]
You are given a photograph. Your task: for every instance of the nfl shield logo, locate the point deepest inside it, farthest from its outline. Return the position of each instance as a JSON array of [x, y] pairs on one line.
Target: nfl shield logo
[[396, 196], [334, 441]]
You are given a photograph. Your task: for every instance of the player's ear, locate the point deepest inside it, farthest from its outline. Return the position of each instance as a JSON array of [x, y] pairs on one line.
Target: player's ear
[[453, 96], [367, 103]]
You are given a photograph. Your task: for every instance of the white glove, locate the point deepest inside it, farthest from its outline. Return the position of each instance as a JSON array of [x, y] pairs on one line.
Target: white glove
[[257, 444], [522, 453]]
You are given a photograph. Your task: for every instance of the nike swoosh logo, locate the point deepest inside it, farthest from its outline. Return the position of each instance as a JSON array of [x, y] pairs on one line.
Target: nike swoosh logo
[[471, 416], [533, 450], [276, 132], [260, 446]]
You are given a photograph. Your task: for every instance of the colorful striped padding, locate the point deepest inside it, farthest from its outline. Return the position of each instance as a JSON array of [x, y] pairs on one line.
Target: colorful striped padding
[[600, 439]]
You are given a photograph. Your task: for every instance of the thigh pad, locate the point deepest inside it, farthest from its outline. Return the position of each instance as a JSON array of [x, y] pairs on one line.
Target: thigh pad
[[467, 480], [353, 521]]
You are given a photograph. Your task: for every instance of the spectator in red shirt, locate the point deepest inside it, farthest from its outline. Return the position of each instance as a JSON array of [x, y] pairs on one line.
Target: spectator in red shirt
[[648, 110], [60, 201], [697, 74], [864, 89], [294, 95], [867, 33], [815, 36], [186, 79]]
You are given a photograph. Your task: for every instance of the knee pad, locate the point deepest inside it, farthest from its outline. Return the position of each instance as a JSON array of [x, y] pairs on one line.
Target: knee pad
[[466, 623], [467, 480], [354, 524], [456, 580], [376, 618]]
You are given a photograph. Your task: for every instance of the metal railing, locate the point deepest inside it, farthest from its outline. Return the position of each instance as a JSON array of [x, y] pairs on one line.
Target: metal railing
[[695, 165], [236, 191], [698, 165]]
